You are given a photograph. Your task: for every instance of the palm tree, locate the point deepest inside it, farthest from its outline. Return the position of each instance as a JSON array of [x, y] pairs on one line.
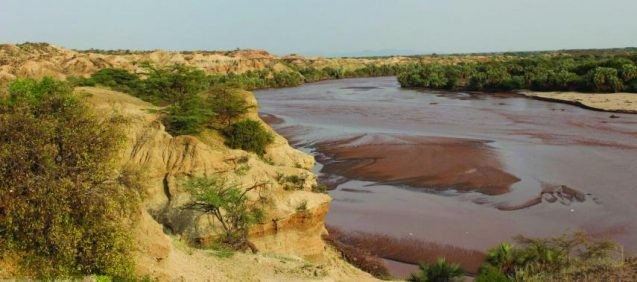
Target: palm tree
[[502, 257], [441, 271]]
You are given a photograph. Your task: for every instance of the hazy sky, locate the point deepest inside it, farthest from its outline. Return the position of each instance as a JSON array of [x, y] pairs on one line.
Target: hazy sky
[[324, 27]]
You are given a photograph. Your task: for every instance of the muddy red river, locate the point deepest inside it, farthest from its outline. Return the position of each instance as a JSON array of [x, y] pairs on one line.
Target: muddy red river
[[469, 170]]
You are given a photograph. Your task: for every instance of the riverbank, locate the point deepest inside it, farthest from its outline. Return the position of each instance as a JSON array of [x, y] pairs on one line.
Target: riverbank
[[607, 102], [396, 156]]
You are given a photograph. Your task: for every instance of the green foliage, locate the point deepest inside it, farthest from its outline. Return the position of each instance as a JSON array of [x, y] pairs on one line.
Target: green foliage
[[552, 256], [248, 135], [605, 80], [190, 116], [320, 188], [291, 182], [490, 273], [302, 207], [611, 73], [228, 204], [195, 100], [114, 78], [227, 105], [441, 271], [175, 84], [62, 208]]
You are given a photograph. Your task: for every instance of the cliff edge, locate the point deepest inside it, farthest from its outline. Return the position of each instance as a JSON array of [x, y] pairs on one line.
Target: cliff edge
[[289, 240]]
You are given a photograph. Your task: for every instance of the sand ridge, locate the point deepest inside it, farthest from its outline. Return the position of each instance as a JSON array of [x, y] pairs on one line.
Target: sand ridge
[[422, 162]]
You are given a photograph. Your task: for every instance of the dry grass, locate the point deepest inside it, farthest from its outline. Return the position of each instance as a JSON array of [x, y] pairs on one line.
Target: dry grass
[[408, 250]]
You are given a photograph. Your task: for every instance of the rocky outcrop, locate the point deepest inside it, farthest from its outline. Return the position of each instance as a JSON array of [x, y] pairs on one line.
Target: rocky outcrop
[[167, 161]]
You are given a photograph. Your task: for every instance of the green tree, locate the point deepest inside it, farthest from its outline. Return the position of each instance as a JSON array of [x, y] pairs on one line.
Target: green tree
[[629, 72], [227, 202], [227, 105], [172, 84], [605, 80]]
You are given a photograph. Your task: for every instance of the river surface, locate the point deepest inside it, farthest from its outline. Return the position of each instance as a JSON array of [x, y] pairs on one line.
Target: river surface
[[469, 170]]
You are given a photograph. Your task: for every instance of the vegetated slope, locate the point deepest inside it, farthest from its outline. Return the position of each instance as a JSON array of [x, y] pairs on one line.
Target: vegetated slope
[[287, 231]]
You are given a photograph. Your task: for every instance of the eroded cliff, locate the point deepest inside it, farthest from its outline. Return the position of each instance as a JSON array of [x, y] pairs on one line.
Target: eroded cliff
[[289, 239]]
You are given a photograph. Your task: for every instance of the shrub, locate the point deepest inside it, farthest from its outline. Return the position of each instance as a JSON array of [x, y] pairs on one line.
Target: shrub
[[227, 105], [190, 116], [291, 182], [491, 274], [441, 271], [228, 204], [532, 258], [248, 135], [320, 188], [61, 206], [114, 78]]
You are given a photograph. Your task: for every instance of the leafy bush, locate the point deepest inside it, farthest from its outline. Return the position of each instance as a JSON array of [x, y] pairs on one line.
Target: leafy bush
[[227, 105], [228, 204], [61, 207], [441, 271], [291, 182], [190, 116], [248, 135], [116, 79], [320, 188], [533, 258], [490, 273]]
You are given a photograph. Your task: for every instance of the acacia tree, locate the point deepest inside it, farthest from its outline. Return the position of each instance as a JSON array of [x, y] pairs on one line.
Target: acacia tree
[[227, 105], [229, 205]]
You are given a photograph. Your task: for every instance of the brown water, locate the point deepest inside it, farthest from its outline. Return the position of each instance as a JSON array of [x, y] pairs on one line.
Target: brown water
[[462, 169]]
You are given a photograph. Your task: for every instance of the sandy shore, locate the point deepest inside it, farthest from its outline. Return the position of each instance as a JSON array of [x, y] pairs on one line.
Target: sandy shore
[[613, 102], [436, 163]]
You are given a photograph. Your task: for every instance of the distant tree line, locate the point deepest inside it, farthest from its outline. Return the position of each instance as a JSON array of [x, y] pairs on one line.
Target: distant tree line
[[586, 73]]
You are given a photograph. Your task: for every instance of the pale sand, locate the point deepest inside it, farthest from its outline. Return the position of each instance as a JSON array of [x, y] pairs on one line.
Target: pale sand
[[611, 102]]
